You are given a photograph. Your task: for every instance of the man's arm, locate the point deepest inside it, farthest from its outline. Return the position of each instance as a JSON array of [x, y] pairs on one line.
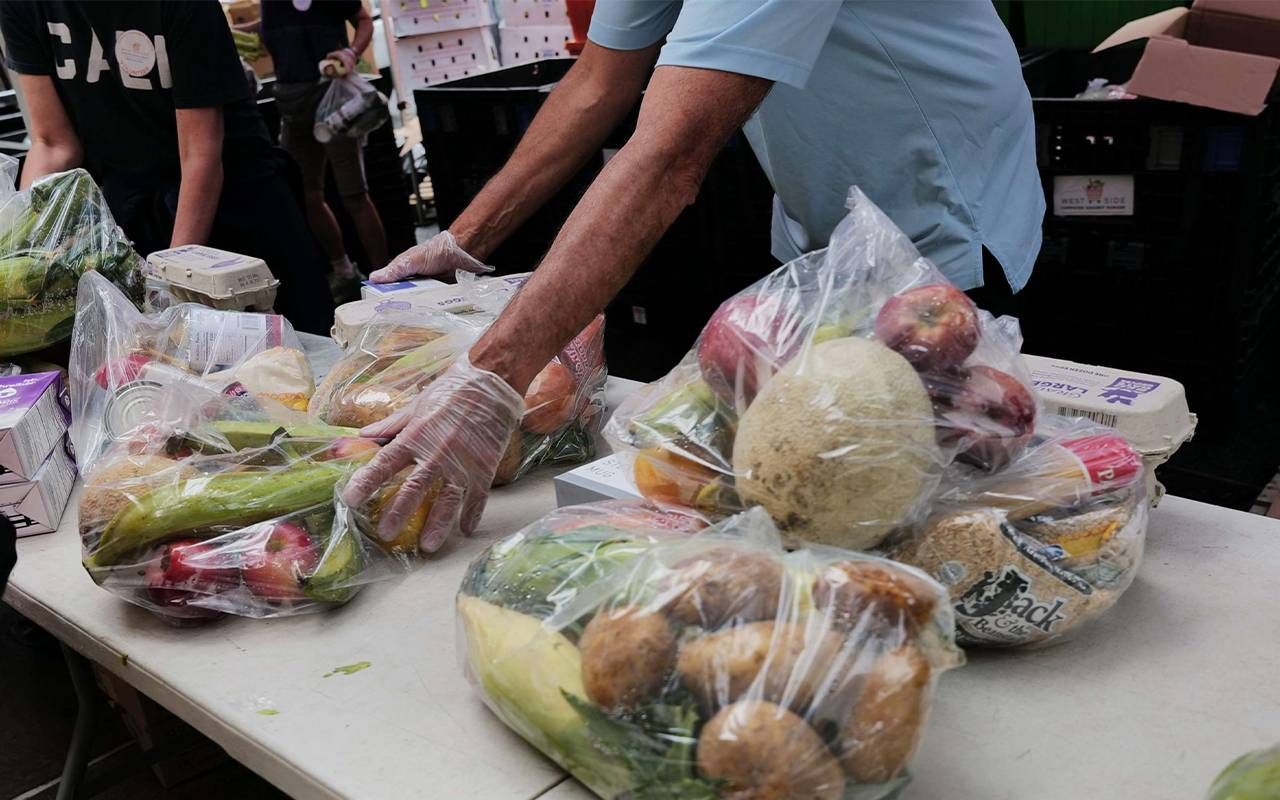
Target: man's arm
[[585, 106], [363, 23], [54, 143], [200, 150], [687, 116]]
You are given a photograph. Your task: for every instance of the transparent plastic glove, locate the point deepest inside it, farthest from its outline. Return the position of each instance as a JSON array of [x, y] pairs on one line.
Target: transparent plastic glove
[[455, 432], [439, 255]]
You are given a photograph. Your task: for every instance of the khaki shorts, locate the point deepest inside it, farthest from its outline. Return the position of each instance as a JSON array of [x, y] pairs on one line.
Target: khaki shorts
[[297, 104]]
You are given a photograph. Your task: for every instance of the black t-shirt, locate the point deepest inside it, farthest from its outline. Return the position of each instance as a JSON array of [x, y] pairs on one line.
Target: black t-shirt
[[300, 33], [121, 68]]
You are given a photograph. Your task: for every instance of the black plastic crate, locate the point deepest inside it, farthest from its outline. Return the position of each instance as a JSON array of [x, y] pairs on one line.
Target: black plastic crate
[[717, 246], [1189, 285]]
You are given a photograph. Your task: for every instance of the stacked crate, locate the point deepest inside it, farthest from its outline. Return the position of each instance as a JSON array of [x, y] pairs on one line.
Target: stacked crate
[[532, 30], [432, 41]]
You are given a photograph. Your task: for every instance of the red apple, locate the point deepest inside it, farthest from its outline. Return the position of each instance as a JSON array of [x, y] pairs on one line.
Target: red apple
[[548, 401], [280, 556], [120, 371], [186, 570], [992, 412], [935, 327], [748, 339]]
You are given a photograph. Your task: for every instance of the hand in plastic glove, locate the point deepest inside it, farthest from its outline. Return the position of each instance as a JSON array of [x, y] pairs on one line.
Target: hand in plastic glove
[[439, 255], [455, 431]]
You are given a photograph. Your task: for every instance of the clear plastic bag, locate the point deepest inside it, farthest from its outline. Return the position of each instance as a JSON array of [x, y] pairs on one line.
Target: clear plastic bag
[[652, 661], [131, 373], [206, 490], [350, 108], [833, 392], [1252, 776], [395, 357], [1036, 550], [51, 235]]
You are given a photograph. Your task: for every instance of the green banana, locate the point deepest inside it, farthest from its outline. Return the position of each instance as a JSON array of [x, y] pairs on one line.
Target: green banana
[[242, 435], [228, 499], [342, 561]]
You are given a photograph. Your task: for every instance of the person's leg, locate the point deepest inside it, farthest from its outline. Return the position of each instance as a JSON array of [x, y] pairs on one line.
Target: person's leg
[[298, 141], [369, 228], [347, 161]]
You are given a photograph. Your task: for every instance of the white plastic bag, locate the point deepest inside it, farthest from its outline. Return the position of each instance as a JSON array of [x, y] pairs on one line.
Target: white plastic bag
[[351, 108]]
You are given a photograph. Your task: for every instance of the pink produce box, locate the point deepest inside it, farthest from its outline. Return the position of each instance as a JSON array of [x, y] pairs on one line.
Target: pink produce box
[[33, 418]]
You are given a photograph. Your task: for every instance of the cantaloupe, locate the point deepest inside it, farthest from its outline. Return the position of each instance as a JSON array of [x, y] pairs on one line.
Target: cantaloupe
[[839, 446]]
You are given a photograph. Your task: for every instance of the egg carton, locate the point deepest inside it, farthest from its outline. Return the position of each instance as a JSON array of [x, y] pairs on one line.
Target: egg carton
[[216, 278]]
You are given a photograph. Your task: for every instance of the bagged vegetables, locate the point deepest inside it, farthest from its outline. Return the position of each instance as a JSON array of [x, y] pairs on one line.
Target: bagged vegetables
[[833, 393], [51, 235], [206, 491], [1252, 776], [1030, 553], [396, 356], [654, 660]]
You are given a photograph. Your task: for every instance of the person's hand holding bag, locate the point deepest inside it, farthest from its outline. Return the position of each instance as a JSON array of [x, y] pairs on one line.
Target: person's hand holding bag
[[439, 255], [455, 432]]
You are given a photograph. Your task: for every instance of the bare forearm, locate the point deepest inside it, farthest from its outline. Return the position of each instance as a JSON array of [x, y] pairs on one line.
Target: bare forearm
[[582, 110], [604, 241], [197, 201], [686, 118], [44, 158], [363, 35]]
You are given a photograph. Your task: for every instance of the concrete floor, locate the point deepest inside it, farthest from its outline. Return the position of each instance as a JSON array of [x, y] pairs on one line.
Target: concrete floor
[[37, 712]]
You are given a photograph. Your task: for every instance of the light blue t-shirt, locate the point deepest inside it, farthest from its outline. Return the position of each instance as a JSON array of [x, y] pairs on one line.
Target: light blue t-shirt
[[921, 103]]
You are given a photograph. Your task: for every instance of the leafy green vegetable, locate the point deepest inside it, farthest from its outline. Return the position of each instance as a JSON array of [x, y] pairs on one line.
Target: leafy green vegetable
[[1253, 776], [535, 574], [655, 744]]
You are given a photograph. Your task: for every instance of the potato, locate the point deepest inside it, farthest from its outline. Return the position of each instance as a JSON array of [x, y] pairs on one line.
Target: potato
[[764, 752], [113, 485], [723, 585], [785, 663], [850, 590], [627, 654], [887, 718]]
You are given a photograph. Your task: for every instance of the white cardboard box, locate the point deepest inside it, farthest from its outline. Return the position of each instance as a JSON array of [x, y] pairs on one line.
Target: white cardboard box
[[370, 290], [36, 506], [415, 17], [33, 417], [607, 478], [533, 12], [428, 59], [521, 44]]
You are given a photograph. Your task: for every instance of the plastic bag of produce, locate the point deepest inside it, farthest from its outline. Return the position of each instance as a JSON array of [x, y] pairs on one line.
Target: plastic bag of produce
[[1050, 542], [50, 235], [833, 393], [350, 108], [206, 490], [1253, 776], [395, 356], [653, 662], [131, 373], [254, 532]]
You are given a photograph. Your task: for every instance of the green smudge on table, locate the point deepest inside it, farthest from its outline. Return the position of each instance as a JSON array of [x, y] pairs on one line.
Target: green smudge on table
[[268, 712], [349, 669]]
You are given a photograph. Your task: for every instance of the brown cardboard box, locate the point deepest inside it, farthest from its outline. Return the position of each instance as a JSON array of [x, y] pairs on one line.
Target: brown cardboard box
[[1222, 54]]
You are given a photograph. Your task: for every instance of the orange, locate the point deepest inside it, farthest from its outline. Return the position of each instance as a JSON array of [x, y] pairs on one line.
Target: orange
[[667, 477]]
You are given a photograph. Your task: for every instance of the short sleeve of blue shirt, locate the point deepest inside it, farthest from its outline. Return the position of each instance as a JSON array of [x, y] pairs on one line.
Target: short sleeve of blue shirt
[[778, 40]]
